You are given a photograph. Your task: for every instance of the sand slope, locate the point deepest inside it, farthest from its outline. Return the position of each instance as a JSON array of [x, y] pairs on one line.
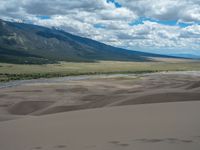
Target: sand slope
[[100, 113], [170, 126], [63, 94]]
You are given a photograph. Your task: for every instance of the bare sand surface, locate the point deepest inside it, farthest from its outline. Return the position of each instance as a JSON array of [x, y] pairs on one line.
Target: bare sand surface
[[100, 113], [163, 126], [68, 94]]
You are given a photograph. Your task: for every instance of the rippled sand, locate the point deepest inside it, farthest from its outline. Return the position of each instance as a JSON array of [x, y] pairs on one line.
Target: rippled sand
[[68, 94]]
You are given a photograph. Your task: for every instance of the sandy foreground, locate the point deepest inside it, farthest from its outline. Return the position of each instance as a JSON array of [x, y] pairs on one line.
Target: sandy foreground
[[100, 113], [171, 126]]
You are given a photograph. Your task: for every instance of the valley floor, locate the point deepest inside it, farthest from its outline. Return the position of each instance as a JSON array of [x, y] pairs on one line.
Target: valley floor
[[24, 71]]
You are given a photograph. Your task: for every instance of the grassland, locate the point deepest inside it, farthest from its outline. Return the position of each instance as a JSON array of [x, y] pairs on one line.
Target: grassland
[[18, 72]]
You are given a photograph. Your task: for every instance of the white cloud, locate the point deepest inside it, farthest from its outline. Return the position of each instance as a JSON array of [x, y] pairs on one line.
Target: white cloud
[[117, 14], [180, 10], [191, 32]]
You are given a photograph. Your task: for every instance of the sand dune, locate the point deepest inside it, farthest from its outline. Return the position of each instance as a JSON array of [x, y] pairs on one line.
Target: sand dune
[[162, 98], [54, 96], [194, 85], [100, 113], [27, 107], [173, 126]]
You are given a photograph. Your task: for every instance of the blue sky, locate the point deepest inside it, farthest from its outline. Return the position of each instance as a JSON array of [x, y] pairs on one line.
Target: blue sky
[[117, 4], [43, 17], [170, 26], [163, 22]]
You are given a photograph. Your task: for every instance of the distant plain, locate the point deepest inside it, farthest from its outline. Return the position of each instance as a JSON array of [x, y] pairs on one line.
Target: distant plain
[[24, 71]]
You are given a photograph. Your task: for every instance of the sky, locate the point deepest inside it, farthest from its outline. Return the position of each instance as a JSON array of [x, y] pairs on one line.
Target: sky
[[158, 26]]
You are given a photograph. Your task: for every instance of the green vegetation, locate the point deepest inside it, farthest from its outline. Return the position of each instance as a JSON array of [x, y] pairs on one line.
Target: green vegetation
[[20, 72]]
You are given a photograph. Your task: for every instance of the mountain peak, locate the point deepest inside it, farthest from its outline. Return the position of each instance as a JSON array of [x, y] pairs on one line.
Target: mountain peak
[[26, 43]]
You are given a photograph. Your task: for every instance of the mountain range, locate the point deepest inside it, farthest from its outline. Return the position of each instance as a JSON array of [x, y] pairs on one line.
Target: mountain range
[[31, 44]]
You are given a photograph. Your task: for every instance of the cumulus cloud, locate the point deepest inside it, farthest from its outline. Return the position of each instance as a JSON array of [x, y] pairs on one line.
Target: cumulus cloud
[[180, 10], [118, 25], [191, 32]]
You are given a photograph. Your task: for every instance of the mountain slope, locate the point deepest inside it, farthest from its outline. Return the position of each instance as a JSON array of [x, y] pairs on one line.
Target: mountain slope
[[25, 43]]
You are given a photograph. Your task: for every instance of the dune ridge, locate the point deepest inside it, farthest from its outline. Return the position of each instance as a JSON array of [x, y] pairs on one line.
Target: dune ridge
[[42, 98]]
